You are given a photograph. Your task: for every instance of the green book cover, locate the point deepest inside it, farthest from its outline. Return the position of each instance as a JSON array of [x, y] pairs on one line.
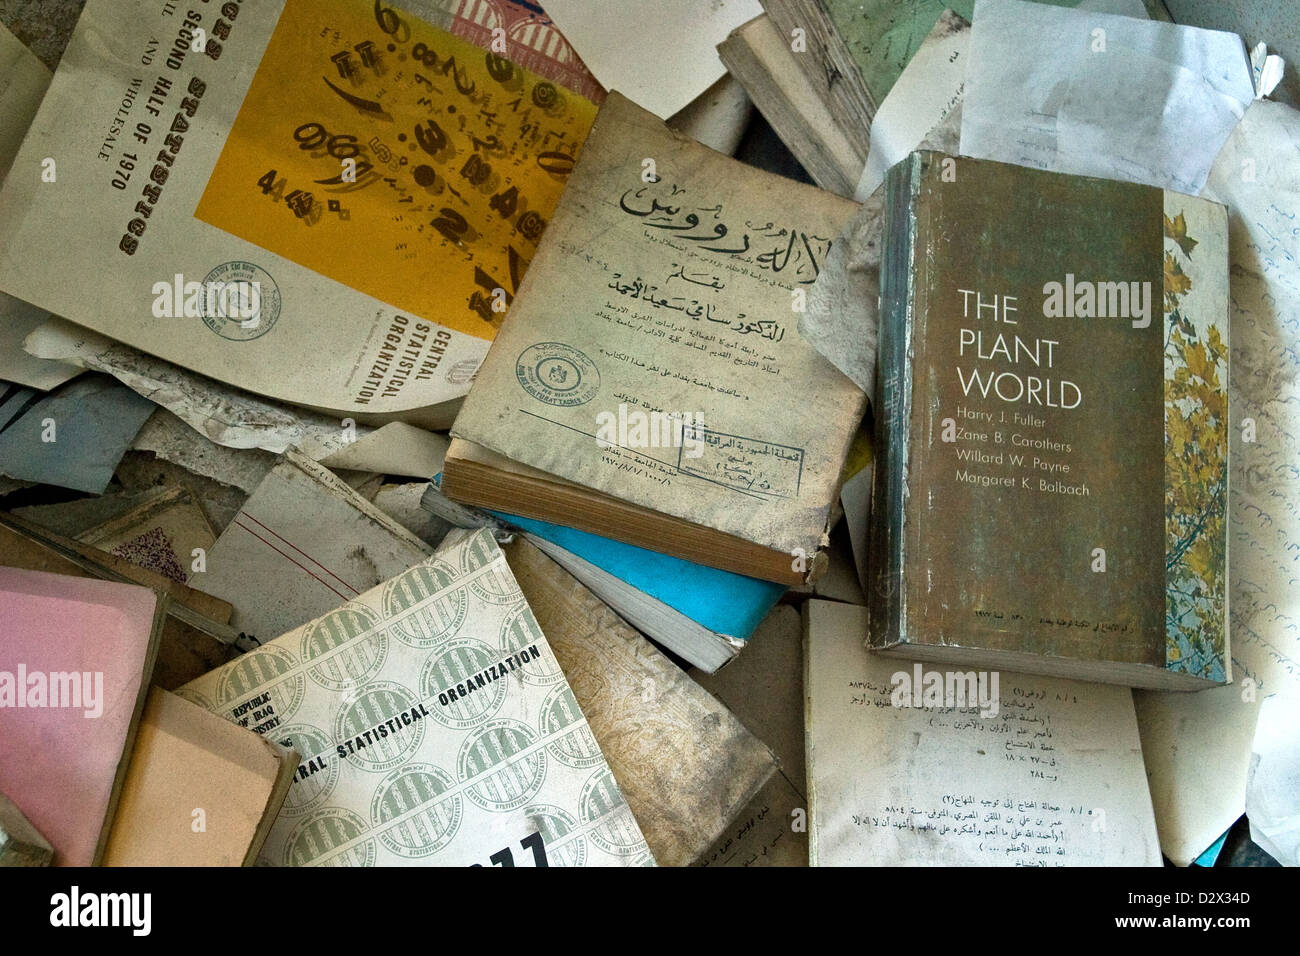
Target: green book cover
[[1052, 421], [882, 35]]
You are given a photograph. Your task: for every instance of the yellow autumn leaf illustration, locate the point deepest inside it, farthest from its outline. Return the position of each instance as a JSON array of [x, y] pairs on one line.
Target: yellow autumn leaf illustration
[[1199, 364], [1177, 281], [1176, 229]]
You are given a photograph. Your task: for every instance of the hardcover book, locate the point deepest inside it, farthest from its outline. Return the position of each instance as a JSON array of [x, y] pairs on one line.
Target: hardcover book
[[76, 656], [650, 383], [201, 791], [435, 727], [1052, 426]]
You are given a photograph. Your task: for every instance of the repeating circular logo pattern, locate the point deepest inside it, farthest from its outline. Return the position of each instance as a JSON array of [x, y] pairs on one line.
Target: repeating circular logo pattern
[[267, 665], [518, 633], [453, 664], [324, 832], [310, 792], [424, 832], [437, 621], [358, 661], [557, 374], [376, 704], [497, 586], [602, 800], [555, 824], [225, 285], [576, 747], [507, 786]]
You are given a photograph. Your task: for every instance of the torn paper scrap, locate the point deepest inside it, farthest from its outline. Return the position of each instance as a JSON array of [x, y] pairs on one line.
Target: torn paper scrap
[[1265, 70], [1198, 746], [667, 60], [1095, 94], [72, 437], [842, 319], [303, 544], [929, 88], [1273, 787], [237, 419]]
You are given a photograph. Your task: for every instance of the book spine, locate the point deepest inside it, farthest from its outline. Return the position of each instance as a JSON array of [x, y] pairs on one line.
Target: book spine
[[893, 408]]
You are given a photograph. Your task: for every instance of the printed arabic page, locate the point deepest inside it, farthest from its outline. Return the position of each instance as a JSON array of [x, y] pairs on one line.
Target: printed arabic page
[[666, 288], [1198, 745], [1038, 772]]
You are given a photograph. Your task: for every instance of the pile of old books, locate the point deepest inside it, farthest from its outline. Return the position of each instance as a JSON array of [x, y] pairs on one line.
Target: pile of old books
[[423, 443]]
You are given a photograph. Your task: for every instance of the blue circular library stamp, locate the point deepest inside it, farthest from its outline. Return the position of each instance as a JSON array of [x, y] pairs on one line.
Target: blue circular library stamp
[[557, 374]]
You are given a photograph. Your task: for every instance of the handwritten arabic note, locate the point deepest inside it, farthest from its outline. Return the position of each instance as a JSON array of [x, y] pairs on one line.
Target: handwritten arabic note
[[1046, 773], [1198, 746]]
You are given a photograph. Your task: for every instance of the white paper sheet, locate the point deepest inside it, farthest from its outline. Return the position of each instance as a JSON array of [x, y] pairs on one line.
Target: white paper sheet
[[659, 53], [1273, 787], [1096, 94], [1198, 746], [238, 419], [929, 88], [23, 81]]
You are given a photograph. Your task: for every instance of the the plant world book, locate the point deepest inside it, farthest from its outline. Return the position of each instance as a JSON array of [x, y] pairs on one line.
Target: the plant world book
[[1052, 422]]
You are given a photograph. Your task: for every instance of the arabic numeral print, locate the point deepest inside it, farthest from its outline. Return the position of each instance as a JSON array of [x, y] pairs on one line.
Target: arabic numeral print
[[556, 163], [431, 137], [314, 136], [423, 54], [452, 225], [312, 140], [534, 842], [530, 225], [475, 170], [271, 186], [391, 23], [482, 304], [506, 202], [343, 146], [499, 68], [545, 95]]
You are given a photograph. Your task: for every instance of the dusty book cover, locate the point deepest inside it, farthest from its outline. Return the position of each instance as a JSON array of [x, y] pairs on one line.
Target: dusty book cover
[[1052, 420], [666, 291], [686, 764]]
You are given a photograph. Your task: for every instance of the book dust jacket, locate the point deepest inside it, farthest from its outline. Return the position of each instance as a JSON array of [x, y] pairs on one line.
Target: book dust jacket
[[1052, 410]]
